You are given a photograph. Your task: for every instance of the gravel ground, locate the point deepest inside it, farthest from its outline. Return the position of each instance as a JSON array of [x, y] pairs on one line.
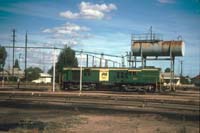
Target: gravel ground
[[17, 117]]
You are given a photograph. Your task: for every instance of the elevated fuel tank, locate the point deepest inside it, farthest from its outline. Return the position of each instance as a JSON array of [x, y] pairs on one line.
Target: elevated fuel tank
[[158, 48]]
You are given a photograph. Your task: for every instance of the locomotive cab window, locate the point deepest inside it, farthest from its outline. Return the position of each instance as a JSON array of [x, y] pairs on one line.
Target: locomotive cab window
[[87, 72], [133, 73]]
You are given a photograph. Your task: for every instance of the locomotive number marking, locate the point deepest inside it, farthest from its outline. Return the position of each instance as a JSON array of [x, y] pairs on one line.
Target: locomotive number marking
[[103, 75]]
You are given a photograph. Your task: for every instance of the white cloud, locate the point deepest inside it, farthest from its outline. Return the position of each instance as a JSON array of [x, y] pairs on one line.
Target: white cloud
[[67, 28], [66, 42], [69, 14], [68, 34], [166, 1], [90, 11]]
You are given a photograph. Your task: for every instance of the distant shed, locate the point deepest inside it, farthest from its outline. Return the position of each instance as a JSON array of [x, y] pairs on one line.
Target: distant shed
[[166, 78], [44, 78]]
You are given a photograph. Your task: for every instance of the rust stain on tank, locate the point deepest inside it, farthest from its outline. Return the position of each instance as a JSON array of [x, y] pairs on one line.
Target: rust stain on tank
[[136, 45], [146, 45], [141, 44], [172, 43], [164, 47]]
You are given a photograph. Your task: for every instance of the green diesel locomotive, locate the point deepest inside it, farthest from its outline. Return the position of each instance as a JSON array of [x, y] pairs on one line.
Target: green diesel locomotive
[[145, 79]]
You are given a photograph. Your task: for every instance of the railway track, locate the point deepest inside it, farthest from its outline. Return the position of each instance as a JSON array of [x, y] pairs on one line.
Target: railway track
[[120, 102], [193, 100]]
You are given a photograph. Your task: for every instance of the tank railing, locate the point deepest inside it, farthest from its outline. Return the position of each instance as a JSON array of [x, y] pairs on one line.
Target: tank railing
[[147, 37]]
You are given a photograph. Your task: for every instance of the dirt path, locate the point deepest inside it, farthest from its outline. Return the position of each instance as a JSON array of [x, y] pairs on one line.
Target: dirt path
[[46, 118], [133, 123]]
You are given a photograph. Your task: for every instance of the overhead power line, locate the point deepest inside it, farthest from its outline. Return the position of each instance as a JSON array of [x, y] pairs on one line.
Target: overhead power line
[[79, 51]]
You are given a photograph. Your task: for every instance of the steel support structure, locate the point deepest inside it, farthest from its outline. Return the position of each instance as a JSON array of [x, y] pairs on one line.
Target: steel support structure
[[92, 61], [113, 64], [106, 63], [181, 68], [172, 87], [86, 60], [142, 58], [172, 58], [145, 62], [100, 64], [135, 59], [88, 53], [123, 64]]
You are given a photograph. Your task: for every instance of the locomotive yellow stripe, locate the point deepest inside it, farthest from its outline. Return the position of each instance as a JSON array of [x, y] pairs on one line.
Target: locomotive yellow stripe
[[134, 70], [122, 69], [67, 68], [150, 69]]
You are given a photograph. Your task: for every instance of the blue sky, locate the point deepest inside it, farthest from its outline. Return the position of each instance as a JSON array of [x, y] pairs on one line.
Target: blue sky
[[100, 26]]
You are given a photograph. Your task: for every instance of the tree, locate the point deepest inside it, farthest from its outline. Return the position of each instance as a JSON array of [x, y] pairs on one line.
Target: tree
[[66, 58], [16, 65], [167, 69], [185, 80], [3, 55], [196, 81], [33, 73]]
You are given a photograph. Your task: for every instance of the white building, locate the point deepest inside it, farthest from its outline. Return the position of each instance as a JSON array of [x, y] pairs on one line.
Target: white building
[[44, 78], [166, 78], [15, 72]]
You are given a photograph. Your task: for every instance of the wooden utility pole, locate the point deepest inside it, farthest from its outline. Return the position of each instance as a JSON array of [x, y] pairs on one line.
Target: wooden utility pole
[[13, 51], [54, 68], [26, 40], [81, 69]]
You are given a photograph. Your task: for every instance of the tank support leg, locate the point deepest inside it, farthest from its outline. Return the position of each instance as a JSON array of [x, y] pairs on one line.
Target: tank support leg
[[172, 87]]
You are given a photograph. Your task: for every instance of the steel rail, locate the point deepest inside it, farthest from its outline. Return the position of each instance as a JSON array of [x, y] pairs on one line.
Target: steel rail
[[143, 98], [111, 102]]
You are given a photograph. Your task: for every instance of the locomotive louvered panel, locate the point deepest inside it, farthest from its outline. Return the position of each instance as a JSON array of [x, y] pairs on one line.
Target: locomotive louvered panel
[[75, 75]]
